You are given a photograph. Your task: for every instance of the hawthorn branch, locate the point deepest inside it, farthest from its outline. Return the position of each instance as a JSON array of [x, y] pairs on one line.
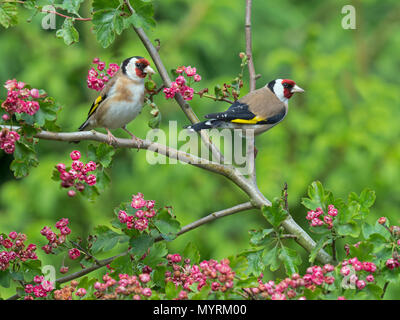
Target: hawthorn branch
[[152, 50], [249, 54]]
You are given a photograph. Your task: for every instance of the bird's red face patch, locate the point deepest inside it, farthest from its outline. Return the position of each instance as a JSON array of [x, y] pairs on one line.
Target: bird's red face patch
[[140, 65], [287, 87]]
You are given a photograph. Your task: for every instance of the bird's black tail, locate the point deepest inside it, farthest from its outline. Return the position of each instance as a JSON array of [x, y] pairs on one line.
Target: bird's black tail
[[83, 125], [82, 128], [209, 124]]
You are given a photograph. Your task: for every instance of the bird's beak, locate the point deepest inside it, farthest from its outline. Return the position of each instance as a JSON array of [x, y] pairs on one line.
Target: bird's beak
[[296, 88], [148, 70]]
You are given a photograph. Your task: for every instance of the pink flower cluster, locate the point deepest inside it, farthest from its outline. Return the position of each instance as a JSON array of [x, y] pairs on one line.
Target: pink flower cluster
[[39, 290], [140, 220], [15, 249], [293, 287], [181, 84], [350, 268], [126, 285], [392, 263], [55, 239], [7, 140], [218, 274], [97, 79], [20, 99], [314, 216], [78, 175]]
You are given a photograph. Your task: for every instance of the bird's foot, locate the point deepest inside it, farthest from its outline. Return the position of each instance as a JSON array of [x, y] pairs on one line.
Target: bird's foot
[[138, 141], [111, 140]]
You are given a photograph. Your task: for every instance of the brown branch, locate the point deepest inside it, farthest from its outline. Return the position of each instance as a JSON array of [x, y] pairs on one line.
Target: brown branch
[[249, 54]]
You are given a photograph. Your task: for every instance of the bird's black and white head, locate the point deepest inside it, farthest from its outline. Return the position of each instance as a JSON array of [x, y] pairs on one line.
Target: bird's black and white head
[[284, 88], [136, 68]]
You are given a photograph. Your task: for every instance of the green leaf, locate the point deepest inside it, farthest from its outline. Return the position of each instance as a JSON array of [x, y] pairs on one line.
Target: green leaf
[[320, 244], [72, 6], [172, 291], [68, 32], [239, 264], [8, 14], [367, 198], [270, 258], [351, 229], [261, 237], [374, 292], [155, 121], [102, 180], [5, 278], [122, 264], [107, 21], [156, 255], [255, 264], [159, 276], [104, 154], [202, 294], [191, 252], [363, 252], [291, 259], [275, 214], [167, 225], [140, 244], [30, 269], [107, 239], [367, 230], [24, 159], [316, 196]]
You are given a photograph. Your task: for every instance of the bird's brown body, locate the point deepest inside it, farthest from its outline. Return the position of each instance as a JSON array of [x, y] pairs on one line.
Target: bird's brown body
[[258, 111]]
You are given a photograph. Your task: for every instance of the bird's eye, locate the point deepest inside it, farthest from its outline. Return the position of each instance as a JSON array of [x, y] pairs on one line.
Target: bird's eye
[[285, 85], [137, 64]]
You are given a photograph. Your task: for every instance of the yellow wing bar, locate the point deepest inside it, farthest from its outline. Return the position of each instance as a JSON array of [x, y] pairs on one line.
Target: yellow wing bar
[[255, 120], [95, 105]]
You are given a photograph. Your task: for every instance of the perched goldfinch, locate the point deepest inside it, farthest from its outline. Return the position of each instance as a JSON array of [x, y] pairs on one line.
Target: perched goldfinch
[[259, 110], [121, 100]]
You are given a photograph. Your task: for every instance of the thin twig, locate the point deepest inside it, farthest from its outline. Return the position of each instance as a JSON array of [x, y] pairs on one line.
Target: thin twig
[[205, 95], [85, 251], [49, 11], [249, 54], [384, 289]]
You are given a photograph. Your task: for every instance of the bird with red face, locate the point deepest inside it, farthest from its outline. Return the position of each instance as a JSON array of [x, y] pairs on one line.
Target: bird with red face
[[259, 110], [121, 100]]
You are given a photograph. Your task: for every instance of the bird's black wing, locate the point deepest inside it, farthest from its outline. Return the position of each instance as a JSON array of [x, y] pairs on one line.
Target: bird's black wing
[[239, 112]]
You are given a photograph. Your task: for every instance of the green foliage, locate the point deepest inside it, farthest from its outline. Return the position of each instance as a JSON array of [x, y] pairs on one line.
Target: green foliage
[[68, 32], [8, 14], [343, 131]]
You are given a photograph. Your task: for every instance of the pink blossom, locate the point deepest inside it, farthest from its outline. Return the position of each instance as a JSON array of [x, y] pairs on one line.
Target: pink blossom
[[190, 72], [80, 292], [122, 216], [144, 277], [75, 155], [146, 292], [74, 253]]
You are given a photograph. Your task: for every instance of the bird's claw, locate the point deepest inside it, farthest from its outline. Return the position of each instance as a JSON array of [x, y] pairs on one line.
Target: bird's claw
[[111, 140]]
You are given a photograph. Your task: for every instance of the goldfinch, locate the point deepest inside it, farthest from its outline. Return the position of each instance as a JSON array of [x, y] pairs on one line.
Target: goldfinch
[[121, 100], [259, 110]]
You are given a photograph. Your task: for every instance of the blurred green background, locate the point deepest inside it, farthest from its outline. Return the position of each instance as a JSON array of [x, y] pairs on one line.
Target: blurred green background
[[344, 131]]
